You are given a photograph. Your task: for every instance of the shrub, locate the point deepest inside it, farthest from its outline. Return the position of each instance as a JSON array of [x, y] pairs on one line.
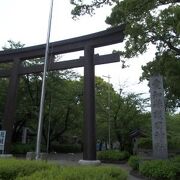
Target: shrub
[[22, 148], [174, 143], [79, 173], [159, 169], [176, 159], [145, 143], [19, 148], [66, 148], [11, 168], [134, 162], [113, 155], [176, 162]]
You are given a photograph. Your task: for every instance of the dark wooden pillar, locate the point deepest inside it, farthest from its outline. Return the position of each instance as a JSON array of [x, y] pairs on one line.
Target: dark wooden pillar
[[89, 152], [10, 106]]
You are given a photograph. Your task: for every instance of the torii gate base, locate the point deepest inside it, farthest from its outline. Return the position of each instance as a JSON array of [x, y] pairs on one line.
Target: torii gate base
[[91, 162], [86, 43]]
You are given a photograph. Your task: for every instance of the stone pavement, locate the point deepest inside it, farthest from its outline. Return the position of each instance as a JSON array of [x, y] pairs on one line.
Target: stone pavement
[[71, 159]]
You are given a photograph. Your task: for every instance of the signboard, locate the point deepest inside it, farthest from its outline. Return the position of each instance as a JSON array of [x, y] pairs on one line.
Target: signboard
[[2, 141]]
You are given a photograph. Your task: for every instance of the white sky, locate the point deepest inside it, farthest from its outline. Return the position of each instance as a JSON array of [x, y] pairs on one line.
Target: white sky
[[27, 20]]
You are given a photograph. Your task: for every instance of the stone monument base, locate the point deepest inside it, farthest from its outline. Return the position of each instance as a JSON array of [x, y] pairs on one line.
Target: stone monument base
[[90, 162]]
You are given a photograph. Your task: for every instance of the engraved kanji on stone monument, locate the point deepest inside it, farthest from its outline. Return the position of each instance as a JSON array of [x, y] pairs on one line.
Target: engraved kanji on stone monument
[[159, 136]]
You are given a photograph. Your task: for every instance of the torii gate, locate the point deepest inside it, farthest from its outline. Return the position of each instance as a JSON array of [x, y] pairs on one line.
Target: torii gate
[[88, 61]]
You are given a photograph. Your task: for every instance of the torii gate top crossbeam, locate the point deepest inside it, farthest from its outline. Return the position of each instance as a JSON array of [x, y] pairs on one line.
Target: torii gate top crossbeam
[[102, 38]]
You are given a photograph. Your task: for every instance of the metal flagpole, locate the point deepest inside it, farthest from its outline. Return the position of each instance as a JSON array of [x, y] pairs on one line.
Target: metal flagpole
[[109, 121], [41, 110]]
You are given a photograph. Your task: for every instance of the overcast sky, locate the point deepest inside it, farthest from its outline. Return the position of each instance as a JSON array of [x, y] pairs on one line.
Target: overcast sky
[[27, 21]]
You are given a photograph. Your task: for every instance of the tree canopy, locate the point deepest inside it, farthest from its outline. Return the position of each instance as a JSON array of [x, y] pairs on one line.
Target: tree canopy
[[148, 22]]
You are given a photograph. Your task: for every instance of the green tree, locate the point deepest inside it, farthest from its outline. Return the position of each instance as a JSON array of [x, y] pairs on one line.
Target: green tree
[[173, 131], [61, 103], [13, 45], [104, 101], [61, 115], [127, 116], [168, 66], [147, 22]]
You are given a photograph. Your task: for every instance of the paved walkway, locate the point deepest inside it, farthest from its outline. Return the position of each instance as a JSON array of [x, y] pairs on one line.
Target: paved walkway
[[72, 159]]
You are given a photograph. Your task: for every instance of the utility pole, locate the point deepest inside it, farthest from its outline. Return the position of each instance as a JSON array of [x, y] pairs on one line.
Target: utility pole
[[109, 121], [41, 111], [120, 91]]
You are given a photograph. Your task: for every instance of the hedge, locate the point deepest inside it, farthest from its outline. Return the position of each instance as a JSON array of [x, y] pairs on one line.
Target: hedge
[[176, 162], [12, 168], [22, 148], [160, 169], [66, 148], [79, 173], [112, 155]]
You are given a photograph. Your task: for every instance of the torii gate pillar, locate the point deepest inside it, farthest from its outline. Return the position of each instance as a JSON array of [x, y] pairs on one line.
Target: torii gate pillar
[[89, 110], [10, 106]]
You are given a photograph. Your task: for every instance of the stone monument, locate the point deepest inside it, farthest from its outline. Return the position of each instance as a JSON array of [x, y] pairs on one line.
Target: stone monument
[[159, 136]]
